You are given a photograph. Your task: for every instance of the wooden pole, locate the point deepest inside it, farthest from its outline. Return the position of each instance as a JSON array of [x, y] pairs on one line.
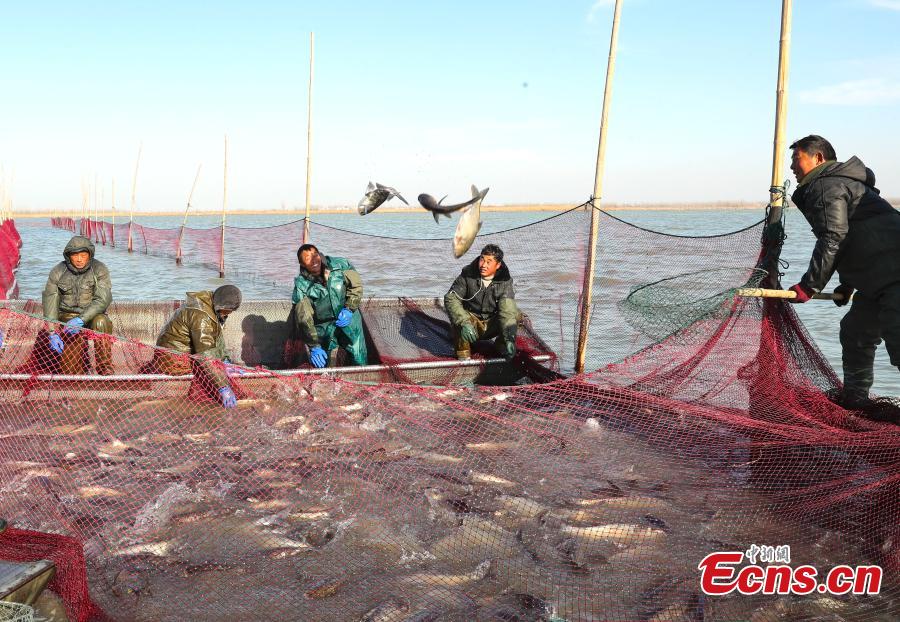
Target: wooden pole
[[113, 215], [224, 204], [756, 292], [776, 196], [133, 191], [588, 286], [309, 136], [184, 221]]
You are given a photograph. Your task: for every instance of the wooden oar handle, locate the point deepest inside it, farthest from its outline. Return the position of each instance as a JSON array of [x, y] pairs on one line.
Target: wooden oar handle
[[750, 292]]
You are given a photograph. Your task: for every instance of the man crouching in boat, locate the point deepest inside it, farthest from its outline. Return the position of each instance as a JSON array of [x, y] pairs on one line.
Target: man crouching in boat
[[78, 293], [327, 295], [196, 328], [481, 305]]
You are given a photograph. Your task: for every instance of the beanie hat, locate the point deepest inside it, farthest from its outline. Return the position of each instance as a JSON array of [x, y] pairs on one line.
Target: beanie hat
[[227, 297]]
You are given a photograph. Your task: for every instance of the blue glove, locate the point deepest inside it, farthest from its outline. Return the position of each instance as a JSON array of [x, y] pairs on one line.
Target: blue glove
[[233, 370], [226, 396], [318, 357], [73, 326], [1, 338], [508, 350], [344, 317], [56, 343]]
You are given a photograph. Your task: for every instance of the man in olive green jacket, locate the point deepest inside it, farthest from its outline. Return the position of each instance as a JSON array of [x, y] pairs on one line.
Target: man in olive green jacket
[[481, 305], [196, 328], [326, 298], [78, 292]]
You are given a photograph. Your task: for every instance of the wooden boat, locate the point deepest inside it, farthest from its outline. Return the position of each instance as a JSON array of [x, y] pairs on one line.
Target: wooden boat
[[408, 342]]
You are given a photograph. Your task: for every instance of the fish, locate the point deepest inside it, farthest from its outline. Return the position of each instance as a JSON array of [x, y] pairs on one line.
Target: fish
[[156, 549], [450, 580], [438, 209], [478, 477], [469, 224], [326, 587], [391, 610], [616, 532], [376, 194]]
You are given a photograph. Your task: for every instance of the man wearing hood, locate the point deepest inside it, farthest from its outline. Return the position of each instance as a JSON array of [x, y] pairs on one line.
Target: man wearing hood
[[481, 305], [326, 298], [196, 328], [78, 293], [858, 236]]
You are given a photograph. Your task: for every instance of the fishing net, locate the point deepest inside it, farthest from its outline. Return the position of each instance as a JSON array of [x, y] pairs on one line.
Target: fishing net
[[10, 243], [594, 497]]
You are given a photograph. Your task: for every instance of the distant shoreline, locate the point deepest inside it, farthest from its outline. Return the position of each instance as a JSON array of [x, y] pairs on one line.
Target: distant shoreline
[[541, 207]]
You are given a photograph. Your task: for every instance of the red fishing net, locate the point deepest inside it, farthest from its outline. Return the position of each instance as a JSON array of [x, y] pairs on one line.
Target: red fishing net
[[10, 243], [596, 497]]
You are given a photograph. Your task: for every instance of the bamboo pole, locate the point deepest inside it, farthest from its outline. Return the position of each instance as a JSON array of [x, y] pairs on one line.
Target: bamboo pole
[[184, 220], [112, 241], [133, 191], [776, 196], [309, 136], [588, 286], [224, 204], [756, 292]]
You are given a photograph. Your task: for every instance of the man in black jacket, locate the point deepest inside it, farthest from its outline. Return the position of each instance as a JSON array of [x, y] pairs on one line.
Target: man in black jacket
[[481, 305], [858, 236]]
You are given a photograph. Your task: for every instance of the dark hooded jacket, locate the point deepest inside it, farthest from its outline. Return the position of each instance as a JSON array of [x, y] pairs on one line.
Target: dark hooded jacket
[[467, 295], [857, 231], [86, 292]]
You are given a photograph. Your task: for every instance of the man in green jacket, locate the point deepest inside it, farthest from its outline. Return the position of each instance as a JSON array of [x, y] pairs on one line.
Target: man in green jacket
[[327, 295], [481, 305], [78, 293], [196, 328]]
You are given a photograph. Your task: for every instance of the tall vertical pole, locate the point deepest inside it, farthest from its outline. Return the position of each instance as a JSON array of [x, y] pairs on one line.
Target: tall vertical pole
[[133, 191], [184, 221], [588, 286], [309, 136], [224, 205], [776, 197], [113, 215]]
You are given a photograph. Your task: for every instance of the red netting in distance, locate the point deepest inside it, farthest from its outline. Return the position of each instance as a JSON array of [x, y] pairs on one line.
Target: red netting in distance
[[10, 243], [589, 498]]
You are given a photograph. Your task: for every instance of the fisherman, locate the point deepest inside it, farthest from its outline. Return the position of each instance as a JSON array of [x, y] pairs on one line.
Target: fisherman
[[196, 328], [481, 305], [327, 295], [78, 293], [858, 236]]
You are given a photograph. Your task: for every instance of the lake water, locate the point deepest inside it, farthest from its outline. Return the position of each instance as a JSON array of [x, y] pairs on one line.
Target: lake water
[[142, 277]]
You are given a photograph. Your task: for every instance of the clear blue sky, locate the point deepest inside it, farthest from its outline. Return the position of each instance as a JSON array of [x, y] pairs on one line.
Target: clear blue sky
[[432, 97]]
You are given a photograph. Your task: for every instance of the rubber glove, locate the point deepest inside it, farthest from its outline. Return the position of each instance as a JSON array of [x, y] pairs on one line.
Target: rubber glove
[[227, 397], [804, 294], [73, 326], [56, 343], [1, 338], [233, 370], [344, 317], [844, 290], [318, 357], [467, 332], [508, 350]]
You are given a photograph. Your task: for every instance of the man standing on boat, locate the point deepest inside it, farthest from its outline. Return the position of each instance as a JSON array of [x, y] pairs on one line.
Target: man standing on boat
[[327, 295], [481, 305], [858, 236], [196, 328], [78, 293]]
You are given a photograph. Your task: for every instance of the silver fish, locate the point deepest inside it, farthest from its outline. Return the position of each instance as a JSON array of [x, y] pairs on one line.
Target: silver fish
[[469, 224], [438, 209], [376, 194]]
